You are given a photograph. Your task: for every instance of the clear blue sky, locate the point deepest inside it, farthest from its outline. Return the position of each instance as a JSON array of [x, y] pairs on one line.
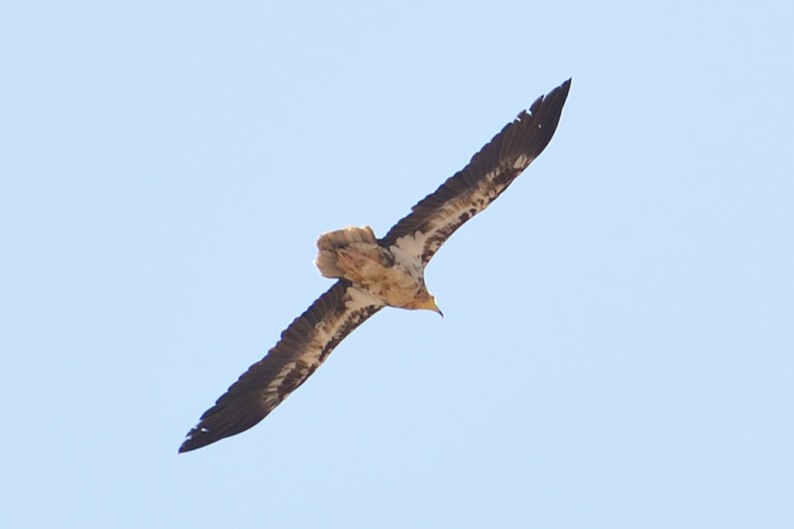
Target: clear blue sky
[[618, 341]]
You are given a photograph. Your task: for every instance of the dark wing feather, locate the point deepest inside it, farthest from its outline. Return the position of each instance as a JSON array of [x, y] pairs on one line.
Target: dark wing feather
[[488, 174], [304, 345]]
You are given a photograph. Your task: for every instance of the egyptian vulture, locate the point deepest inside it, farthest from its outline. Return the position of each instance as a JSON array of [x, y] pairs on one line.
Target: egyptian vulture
[[374, 273]]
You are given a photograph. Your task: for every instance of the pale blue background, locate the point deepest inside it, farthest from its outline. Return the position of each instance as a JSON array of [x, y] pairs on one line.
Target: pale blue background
[[618, 346]]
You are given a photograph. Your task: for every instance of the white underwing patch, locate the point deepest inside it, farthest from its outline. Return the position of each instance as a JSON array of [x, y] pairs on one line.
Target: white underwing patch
[[409, 246], [271, 392], [360, 299], [521, 162]]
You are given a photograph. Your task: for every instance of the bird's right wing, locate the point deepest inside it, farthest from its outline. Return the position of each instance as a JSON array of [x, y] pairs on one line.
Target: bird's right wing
[[303, 347], [436, 217]]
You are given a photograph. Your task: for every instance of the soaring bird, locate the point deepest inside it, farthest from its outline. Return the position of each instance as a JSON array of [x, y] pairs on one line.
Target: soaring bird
[[374, 273]]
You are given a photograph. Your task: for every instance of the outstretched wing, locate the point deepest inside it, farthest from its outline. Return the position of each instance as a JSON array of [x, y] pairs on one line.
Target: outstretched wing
[[304, 345], [490, 172]]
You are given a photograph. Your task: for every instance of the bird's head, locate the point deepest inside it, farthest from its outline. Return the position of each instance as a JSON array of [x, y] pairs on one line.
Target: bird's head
[[426, 301]]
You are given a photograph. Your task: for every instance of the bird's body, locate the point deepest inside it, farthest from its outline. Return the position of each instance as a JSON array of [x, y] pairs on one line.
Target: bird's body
[[394, 275], [374, 273]]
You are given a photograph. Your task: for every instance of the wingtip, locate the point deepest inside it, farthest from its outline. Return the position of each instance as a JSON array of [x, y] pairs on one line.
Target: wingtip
[[186, 446], [200, 437], [197, 438], [563, 88]]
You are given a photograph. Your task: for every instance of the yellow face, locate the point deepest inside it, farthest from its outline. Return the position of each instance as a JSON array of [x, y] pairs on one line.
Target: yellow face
[[429, 303]]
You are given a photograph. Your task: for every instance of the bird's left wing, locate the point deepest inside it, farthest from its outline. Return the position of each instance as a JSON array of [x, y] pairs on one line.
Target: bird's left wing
[[490, 172], [303, 347]]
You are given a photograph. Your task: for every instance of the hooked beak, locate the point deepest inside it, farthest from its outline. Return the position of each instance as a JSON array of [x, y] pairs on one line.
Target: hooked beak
[[430, 304]]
